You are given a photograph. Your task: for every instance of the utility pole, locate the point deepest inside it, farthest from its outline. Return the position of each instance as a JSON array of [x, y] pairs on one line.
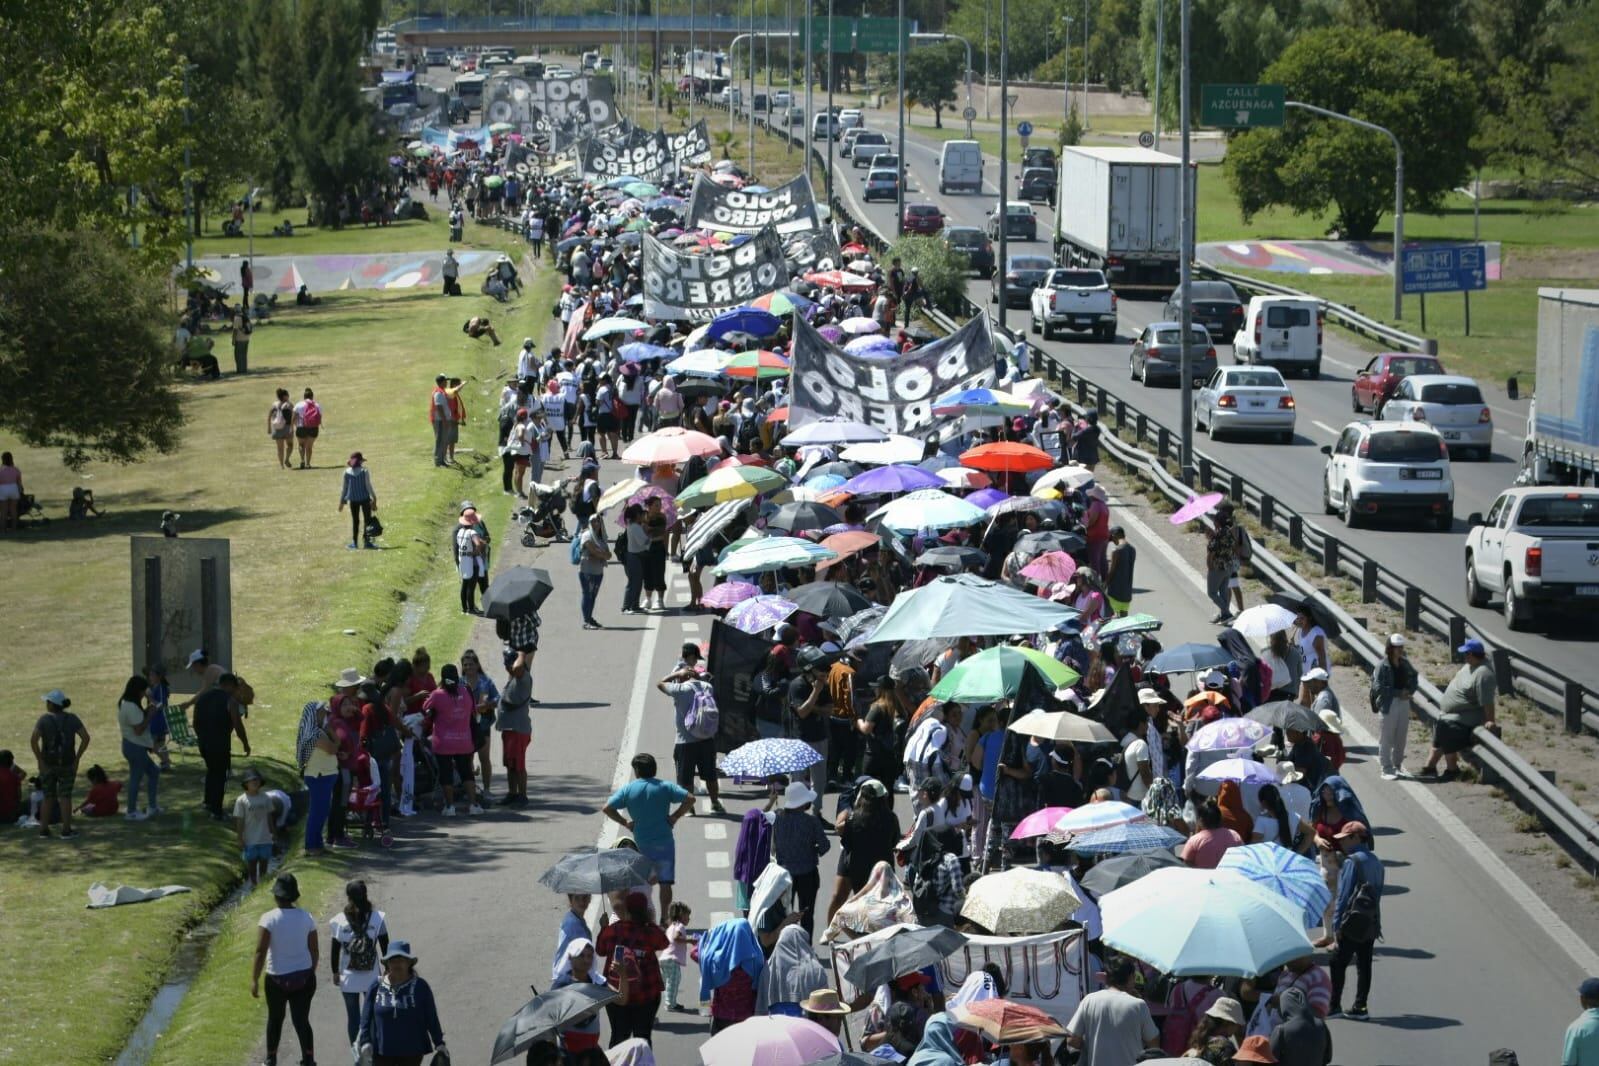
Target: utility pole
[[1085, 65], [1185, 316], [988, 111], [788, 139], [810, 100], [188, 177], [1160, 55], [831, 71], [691, 76], [1066, 77], [899, 150], [1004, 153]]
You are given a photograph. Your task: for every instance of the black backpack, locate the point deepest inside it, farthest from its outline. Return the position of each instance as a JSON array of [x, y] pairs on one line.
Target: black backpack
[[363, 949], [1360, 917]]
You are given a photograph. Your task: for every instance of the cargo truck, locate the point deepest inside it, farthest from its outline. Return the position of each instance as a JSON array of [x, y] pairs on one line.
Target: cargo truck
[[1562, 446], [1118, 210]]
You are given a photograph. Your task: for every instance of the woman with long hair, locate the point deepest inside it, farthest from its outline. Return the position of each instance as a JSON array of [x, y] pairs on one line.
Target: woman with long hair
[[485, 695], [451, 706], [1275, 824], [133, 719], [471, 558], [356, 490], [1234, 815], [867, 834], [357, 938]]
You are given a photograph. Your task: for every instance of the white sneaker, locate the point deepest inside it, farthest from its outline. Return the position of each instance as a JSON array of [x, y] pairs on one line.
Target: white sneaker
[[152, 812], [1388, 775], [135, 816], [1404, 775], [449, 810], [474, 809]]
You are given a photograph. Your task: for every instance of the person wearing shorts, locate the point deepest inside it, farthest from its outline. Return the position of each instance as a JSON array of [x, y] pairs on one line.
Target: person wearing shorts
[[651, 818], [280, 427], [691, 755], [307, 426], [59, 741], [515, 724]]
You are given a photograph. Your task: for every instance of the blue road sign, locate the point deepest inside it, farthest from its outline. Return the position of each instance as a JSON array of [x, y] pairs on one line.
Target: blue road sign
[[1024, 129], [1450, 268]]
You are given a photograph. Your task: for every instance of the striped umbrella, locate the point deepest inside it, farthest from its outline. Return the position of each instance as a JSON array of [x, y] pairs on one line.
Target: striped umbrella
[[1099, 816], [782, 303], [760, 613], [1120, 839], [758, 364], [1290, 875], [730, 483], [710, 525], [729, 594], [773, 553], [769, 756]]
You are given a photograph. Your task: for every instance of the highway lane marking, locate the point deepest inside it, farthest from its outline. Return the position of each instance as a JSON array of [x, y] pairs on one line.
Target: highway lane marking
[[691, 627], [718, 860], [715, 831], [718, 889], [1326, 428]]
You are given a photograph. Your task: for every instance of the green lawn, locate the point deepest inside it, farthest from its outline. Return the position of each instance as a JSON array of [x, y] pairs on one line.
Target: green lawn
[[409, 236], [303, 608]]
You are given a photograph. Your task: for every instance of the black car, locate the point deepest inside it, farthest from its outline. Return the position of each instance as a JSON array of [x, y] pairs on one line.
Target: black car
[[1215, 305], [1037, 183], [974, 245], [1039, 157], [458, 111], [1023, 274]]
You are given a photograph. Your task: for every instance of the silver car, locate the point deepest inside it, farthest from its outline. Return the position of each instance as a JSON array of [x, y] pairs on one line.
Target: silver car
[[1449, 403], [1245, 399]]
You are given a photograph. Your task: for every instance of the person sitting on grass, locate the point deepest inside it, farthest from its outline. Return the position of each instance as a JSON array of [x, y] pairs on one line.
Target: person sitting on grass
[[82, 505], [253, 817], [11, 779], [478, 326], [101, 802]]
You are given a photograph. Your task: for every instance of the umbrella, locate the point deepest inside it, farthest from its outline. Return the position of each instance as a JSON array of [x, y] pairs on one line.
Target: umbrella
[[619, 492], [831, 333], [1259, 622], [1318, 614], [964, 477], [843, 470], [1244, 771], [1286, 714], [962, 605], [773, 553], [1004, 1022], [927, 509], [980, 401], [825, 483], [1049, 540], [1006, 457], [607, 326], [1095, 816], [731, 483], [997, 673], [1196, 507], [770, 756], [782, 303], [904, 950], [838, 279], [758, 364], [884, 480], [751, 320], [668, 505], [1133, 623], [729, 593], [637, 225], [517, 592], [1213, 922], [1062, 725], [860, 324], [694, 387], [670, 446], [988, 498], [850, 541], [858, 623], [1228, 734], [621, 181], [1120, 839], [833, 431], [587, 870], [760, 613], [1038, 823], [771, 1040], [642, 352], [1020, 504], [872, 343], [706, 362], [1020, 901], [710, 525], [798, 517], [1050, 567], [568, 243], [1189, 658], [953, 557], [543, 1015], [1110, 874], [896, 449], [1066, 477], [641, 189], [915, 652], [1288, 874], [829, 599]]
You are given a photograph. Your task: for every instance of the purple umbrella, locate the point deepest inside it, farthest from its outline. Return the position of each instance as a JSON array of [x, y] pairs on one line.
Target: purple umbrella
[[986, 498], [668, 504], [729, 594], [832, 333], [890, 479], [1229, 734], [871, 343], [760, 613]]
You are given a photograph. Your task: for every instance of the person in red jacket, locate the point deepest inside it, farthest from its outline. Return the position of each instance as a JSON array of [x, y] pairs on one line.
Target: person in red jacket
[[11, 780]]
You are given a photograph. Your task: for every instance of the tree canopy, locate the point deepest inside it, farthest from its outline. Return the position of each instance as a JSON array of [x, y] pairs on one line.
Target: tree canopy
[[930, 77]]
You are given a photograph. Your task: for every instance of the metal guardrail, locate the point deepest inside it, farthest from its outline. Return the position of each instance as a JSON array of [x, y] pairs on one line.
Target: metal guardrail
[[1347, 317]]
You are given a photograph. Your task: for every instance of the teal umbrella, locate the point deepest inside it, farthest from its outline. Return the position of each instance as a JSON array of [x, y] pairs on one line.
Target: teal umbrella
[[642, 189], [963, 605], [997, 674], [1133, 623]]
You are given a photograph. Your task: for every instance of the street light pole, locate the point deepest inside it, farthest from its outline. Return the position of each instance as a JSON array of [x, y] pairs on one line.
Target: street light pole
[[1004, 153], [1160, 50], [188, 177], [1066, 76], [832, 70], [1185, 267], [691, 62], [1085, 65], [899, 148], [788, 128], [1399, 193], [988, 112]]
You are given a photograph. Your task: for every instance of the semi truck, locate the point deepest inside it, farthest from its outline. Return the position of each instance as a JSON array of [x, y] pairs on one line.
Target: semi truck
[[1118, 211], [1562, 445]]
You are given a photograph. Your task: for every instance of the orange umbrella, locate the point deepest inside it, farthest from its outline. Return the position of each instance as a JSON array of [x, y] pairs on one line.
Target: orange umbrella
[[778, 414], [1004, 1022], [1007, 457], [850, 541]]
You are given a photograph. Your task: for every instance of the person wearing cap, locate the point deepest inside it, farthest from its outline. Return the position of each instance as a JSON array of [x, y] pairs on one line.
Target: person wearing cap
[[400, 1019], [1215, 1038], [356, 491], [1113, 1026], [59, 741], [252, 826], [1360, 868], [286, 950], [1393, 684], [1468, 702], [798, 843], [1582, 1035], [1255, 1048]]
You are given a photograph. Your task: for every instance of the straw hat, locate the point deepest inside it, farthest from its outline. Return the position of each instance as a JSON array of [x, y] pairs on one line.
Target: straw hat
[[1330, 719], [350, 677], [823, 1001]]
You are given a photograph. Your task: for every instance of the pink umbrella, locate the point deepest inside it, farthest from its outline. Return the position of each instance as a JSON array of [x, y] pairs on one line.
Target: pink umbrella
[[670, 446], [1196, 507], [1039, 822], [771, 1040], [729, 594], [1050, 568], [668, 503]]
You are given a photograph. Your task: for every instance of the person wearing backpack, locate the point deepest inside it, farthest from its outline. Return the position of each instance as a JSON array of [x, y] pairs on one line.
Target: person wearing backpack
[[1357, 918], [59, 741], [280, 426], [592, 553], [307, 426], [697, 721], [358, 936]]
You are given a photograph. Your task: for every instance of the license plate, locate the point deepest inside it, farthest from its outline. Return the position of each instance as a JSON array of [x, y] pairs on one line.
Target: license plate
[[1451, 434], [1427, 475], [1588, 590], [1257, 403], [1081, 320]]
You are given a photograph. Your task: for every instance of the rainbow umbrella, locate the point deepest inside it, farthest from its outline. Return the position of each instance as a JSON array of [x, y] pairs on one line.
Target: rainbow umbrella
[[760, 365], [782, 303], [730, 483]]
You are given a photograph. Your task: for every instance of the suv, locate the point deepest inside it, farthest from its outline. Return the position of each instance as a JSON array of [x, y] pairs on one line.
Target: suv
[[1020, 222], [1039, 157], [926, 219], [1382, 468], [824, 126], [850, 118], [1036, 183], [970, 242]]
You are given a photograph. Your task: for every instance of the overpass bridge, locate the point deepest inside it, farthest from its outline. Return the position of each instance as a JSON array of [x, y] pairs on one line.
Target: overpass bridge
[[527, 35]]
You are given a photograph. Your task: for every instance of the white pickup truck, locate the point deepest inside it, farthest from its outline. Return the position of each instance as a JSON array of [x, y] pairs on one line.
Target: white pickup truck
[[1075, 299], [1537, 548]]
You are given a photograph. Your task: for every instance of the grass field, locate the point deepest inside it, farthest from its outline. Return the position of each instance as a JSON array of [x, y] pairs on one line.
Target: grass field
[[409, 236], [304, 608]]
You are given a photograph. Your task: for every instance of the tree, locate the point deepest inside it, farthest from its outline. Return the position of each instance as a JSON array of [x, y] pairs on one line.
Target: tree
[[943, 270], [66, 347], [724, 139], [930, 75], [1390, 78], [1544, 96]]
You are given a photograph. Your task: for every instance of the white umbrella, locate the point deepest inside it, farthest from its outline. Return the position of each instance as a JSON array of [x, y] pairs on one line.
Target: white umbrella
[[833, 431], [964, 477], [607, 326], [896, 449], [703, 362], [928, 509], [1259, 622], [860, 324], [1218, 922], [774, 553], [1065, 478]]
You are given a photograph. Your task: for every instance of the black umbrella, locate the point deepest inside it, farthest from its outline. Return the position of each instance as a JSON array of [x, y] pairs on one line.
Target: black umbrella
[[517, 592], [588, 871], [914, 653], [692, 387], [828, 599], [1318, 614], [953, 558], [543, 1015], [1119, 870], [1286, 714], [904, 952], [859, 622], [1049, 540], [663, 214], [803, 516], [1189, 658]]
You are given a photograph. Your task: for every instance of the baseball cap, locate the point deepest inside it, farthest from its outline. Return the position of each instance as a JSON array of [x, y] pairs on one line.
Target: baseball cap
[[1149, 695], [252, 774], [58, 698], [1215, 679], [1352, 828], [1589, 989], [196, 655], [1396, 640], [1472, 646], [1315, 673]]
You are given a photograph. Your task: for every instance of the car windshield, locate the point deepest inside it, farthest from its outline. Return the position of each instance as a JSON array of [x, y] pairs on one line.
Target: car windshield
[[1255, 379], [871, 138], [1211, 290], [1403, 368], [1031, 262], [964, 237], [1018, 209], [1564, 510], [1451, 393], [1403, 447], [1174, 337], [1081, 279], [1287, 317], [921, 209]]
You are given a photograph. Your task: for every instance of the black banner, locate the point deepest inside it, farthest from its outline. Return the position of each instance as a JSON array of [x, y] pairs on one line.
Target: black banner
[[895, 395], [697, 287], [735, 661], [689, 147], [816, 250], [521, 102], [521, 161], [791, 208], [646, 162]]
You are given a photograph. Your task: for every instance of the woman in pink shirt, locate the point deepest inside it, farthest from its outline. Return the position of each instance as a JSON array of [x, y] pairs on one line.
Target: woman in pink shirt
[[10, 493], [450, 708], [1206, 847]]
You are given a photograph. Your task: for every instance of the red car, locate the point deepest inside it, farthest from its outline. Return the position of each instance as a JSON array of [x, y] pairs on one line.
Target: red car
[[1374, 385], [923, 218]]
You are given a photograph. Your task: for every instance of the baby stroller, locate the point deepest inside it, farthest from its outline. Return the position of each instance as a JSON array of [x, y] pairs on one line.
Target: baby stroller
[[544, 519], [366, 801]]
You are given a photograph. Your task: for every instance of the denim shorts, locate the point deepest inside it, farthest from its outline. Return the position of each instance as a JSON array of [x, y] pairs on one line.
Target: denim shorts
[[664, 856], [258, 853]]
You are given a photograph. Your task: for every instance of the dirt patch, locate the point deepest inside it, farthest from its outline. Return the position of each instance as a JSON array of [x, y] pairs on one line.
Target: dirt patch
[[1579, 265]]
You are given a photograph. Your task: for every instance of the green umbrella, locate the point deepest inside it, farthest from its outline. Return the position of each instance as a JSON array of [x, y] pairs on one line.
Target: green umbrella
[[997, 673], [638, 225], [1133, 623], [730, 483], [422, 152], [494, 181], [641, 189]]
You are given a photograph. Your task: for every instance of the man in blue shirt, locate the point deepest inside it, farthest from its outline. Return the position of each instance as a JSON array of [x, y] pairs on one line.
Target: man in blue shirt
[[1582, 1035], [1356, 941], [650, 818]]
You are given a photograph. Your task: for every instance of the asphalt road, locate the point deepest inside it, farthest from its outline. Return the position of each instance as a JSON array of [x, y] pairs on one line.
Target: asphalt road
[[1292, 473]]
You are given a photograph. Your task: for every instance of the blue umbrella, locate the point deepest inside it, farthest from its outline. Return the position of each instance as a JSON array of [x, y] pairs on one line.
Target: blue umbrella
[[1290, 875], [1214, 922], [643, 352], [1188, 658], [751, 320], [620, 181], [665, 201], [770, 756], [872, 342], [570, 242], [1119, 839], [881, 480]]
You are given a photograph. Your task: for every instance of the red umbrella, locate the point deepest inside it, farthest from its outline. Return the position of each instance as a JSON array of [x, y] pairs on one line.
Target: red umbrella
[[1007, 457], [1004, 1022], [778, 414]]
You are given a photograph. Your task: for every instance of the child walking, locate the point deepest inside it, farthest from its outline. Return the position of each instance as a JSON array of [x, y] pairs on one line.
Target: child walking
[[253, 815], [674, 958]]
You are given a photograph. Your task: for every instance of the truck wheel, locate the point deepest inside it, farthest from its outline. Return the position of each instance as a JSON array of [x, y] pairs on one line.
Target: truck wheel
[[1107, 333], [1350, 515], [1032, 324], [1474, 590], [1516, 615]]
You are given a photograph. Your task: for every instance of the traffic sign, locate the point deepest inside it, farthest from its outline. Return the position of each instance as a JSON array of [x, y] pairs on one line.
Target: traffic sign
[[837, 35], [968, 113], [878, 34], [1241, 106], [1445, 268], [1146, 140], [1024, 128]]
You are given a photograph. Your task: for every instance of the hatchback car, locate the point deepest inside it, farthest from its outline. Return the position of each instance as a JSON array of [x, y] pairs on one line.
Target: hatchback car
[[884, 159], [1157, 354], [926, 219], [882, 183], [1038, 157], [971, 242], [1378, 379], [861, 145], [1389, 468], [848, 139], [1036, 184], [1023, 274], [1020, 222], [1245, 399], [850, 118], [1449, 403], [1215, 305]]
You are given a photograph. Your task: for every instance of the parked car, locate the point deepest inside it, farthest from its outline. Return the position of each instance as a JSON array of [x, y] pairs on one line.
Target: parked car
[[1036, 183], [974, 245], [926, 219], [1215, 305], [864, 144], [1378, 379], [882, 183], [1281, 331], [1157, 354], [1023, 274], [1389, 468], [1020, 222], [1245, 399], [1449, 403], [1534, 549]]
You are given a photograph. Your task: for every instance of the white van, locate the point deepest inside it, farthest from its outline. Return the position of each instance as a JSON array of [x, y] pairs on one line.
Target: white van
[[824, 126], [960, 167], [1283, 332]]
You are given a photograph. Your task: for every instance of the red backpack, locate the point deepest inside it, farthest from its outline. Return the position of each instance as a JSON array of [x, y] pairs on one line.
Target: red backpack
[[311, 417]]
